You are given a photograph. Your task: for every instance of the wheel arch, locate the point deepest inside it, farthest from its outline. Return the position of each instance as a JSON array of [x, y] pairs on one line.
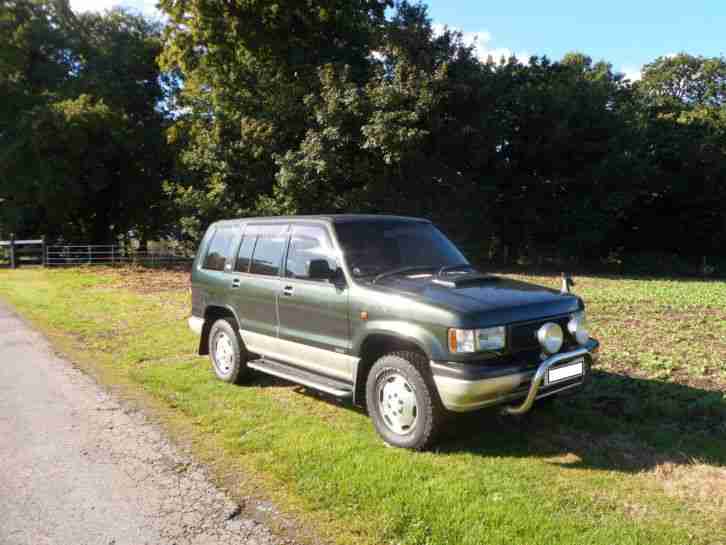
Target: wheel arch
[[373, 347], [212, 313]]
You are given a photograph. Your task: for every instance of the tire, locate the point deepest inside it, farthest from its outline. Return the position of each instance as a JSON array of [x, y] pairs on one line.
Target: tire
[[403, 402], [227, 352]]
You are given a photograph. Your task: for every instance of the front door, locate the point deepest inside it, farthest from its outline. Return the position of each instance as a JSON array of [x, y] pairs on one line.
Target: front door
[[313, 313]]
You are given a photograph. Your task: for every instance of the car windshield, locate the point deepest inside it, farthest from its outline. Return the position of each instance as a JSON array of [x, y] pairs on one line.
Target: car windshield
[[375, 247]]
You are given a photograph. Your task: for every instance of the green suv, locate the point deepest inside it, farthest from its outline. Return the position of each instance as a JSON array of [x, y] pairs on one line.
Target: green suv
[[384, 311]]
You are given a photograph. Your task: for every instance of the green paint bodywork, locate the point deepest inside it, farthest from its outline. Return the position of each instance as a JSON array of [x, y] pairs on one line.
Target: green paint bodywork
[[327, 315]]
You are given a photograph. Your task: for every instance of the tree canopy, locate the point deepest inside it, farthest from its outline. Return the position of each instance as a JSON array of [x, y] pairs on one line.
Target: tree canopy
[[83, 149], [266, 107]]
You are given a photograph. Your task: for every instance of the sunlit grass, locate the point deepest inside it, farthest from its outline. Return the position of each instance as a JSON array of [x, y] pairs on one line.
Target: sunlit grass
[[584, 470]]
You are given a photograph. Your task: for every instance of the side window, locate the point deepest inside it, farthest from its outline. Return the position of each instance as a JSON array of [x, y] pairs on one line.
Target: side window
[[267, 255], [308, 243], [220, 249]]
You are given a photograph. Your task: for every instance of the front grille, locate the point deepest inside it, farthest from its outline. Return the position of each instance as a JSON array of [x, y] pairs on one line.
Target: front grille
[[524, 336]]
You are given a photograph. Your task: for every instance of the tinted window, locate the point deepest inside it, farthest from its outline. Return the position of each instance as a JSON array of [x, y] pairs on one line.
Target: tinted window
[[221, 248], [308, 243], [377, 246], [270, 246], [244, 256]]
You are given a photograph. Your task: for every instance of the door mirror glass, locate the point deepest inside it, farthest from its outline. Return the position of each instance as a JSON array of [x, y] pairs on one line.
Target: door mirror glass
[[319, 269]]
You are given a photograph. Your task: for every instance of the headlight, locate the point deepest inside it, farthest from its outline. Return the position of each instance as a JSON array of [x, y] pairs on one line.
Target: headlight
[[492, 338], [550, 336], [577, 326], [461, 340], [473, 340]]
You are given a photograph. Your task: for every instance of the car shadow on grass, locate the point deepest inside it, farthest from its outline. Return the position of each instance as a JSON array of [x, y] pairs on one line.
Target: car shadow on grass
[[615, 423]]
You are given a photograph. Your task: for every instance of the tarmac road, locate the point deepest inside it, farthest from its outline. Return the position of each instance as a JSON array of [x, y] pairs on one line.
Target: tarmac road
[[77, 467]]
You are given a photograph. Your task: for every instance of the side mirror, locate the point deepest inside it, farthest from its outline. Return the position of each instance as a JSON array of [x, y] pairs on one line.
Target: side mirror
[[319, 269]]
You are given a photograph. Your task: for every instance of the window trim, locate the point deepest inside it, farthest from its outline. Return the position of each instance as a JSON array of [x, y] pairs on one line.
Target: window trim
[[234, 270]]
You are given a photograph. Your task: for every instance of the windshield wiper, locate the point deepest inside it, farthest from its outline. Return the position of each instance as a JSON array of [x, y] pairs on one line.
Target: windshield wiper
[[449, 268], [401, 270]]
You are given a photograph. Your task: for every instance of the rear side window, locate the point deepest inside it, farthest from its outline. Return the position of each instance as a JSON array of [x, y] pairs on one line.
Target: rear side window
[[219, 254], [269, 248]]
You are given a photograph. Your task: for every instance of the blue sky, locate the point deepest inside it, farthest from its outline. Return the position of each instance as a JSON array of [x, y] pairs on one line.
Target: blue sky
[[627, 33]]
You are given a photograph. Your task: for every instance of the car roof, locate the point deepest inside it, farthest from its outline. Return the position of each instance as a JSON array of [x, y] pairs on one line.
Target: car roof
[[326, 218]]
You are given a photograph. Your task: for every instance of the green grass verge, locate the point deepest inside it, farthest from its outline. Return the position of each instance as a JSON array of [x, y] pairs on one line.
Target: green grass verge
[[582, 470]]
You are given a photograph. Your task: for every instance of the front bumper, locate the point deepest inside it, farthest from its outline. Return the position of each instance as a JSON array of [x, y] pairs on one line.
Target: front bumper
[[465, 388]]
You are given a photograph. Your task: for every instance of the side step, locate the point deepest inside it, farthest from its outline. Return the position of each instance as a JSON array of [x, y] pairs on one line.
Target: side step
[[331, 386]]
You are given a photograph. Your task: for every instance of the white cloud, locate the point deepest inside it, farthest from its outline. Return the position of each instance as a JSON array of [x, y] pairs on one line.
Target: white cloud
[[93, 5], [632, 73], [147, 7], [481, 41]]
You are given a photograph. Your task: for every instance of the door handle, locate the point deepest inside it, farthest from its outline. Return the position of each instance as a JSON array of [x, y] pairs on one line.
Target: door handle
[[235, 283], [288, 291]]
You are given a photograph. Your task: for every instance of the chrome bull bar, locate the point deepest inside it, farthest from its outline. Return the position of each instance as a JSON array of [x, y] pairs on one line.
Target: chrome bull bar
[[590, 348]]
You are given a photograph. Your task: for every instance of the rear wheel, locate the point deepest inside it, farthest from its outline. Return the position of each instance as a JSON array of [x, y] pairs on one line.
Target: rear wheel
[[402, 401], [227, 352]]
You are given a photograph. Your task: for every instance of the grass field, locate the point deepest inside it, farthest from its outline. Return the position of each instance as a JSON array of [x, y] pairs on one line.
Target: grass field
[[638, 457]]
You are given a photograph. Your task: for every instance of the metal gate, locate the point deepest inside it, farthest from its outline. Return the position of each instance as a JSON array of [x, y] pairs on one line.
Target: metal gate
[[16, 253], [69, 255]]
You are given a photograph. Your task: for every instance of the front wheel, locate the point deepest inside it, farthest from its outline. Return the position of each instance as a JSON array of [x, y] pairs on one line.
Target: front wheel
[[402, 403]]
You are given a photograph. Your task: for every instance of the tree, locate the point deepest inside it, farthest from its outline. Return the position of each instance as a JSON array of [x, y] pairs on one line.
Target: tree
[[682, 124], [685, 81], [400, 143], [84, 125], [350, 106], [245, 69], [35, 63]]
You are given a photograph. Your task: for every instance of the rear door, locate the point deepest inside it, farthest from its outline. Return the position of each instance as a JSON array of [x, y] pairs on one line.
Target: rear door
[[256, 284], [314, 323], [212, 280]]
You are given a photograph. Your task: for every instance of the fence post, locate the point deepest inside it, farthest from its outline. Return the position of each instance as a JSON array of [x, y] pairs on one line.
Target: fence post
[[113, 258], [90, 255], [12, 251], [43, 257]]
